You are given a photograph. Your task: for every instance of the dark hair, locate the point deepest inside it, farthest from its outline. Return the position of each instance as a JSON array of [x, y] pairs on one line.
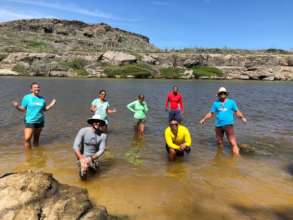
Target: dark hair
[[34, 83], [173, 119], [140, 96], [102, 90]]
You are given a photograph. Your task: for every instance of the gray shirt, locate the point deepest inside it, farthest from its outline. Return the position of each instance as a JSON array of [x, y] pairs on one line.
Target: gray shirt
[[89, 142]]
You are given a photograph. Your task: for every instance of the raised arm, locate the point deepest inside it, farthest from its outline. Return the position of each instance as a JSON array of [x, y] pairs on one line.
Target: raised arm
[[18, 107], [146, 108], [52, 103]]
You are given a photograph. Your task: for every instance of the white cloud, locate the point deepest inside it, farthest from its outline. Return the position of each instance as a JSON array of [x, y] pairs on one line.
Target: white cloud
[[66, 7], [8, 15]]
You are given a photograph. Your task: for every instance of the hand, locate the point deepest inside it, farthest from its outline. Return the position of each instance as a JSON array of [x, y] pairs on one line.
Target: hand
[[53, 102], [14, 103], [182, 146], [202, 121], [114, 110], [243, 119]]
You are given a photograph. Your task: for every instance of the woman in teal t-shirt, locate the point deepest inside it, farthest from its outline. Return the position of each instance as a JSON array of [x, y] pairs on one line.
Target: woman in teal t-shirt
[[34, 106], [140, 109]]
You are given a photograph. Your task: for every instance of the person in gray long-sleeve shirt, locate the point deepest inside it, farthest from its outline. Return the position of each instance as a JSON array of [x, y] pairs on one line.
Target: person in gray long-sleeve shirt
[[89, 145]]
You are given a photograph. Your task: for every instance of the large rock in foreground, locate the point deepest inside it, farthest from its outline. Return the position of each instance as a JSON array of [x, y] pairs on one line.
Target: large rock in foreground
[[37, 195]]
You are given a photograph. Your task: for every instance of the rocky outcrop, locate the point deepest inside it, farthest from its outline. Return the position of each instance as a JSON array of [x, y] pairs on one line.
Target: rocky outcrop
[[118, 58], [56, 35], [36, 195]]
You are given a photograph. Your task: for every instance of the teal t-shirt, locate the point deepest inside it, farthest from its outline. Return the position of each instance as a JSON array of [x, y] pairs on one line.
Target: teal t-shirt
[[101, 108], [139, 109], [224, 112], [34, 106]]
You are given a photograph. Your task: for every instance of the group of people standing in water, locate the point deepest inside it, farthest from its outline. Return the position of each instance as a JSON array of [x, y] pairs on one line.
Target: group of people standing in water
[[90, 142]]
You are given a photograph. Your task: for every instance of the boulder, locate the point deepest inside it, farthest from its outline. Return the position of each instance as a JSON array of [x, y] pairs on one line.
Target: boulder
[[37, 195], [149, 59], [8, 72], [118, 58], [187, 74]]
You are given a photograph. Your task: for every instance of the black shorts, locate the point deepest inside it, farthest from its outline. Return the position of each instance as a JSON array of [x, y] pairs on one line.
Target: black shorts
[[34, 125], [179, 152]]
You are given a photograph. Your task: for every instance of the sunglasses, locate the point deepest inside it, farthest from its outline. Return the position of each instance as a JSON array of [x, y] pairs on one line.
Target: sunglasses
[[222, 93], [174, 124]]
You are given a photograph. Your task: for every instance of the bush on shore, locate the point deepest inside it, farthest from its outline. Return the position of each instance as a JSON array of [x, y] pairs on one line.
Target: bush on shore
[[135, 70], [19, 68], [171, 73], [76, 64], [207, 71]]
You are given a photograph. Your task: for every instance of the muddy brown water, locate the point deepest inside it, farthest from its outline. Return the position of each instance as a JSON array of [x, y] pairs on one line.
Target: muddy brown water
[[136, 180]]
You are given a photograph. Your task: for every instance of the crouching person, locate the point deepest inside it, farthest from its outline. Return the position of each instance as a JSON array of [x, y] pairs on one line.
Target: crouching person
[[178, 139], [89, 145]]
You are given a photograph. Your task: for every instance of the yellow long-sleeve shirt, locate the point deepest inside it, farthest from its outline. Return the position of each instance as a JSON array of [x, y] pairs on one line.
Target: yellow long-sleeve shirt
[[183, 136]]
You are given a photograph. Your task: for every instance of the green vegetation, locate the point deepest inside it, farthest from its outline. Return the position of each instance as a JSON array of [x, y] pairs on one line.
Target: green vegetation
[[136, 70], [3, 56], [19, 68], [33, 45], [171, 72], [133, 157], [206, 71], [275, 50], [76, 64]]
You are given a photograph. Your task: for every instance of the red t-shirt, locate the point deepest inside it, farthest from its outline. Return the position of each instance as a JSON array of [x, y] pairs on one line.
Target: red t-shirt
[[175, 101]]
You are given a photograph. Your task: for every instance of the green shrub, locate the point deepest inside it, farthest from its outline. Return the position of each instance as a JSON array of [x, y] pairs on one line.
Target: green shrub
[[75, 63], [3, 56], [19, 68], [206, 71], [171, 73], [136, 70], [82, 72]]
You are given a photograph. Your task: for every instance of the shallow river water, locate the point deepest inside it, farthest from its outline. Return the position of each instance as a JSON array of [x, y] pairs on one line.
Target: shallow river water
[[136, 180]]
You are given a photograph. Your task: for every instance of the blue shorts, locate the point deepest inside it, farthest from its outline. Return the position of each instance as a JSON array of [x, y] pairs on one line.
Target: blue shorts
[[175, 114], [34, 125]]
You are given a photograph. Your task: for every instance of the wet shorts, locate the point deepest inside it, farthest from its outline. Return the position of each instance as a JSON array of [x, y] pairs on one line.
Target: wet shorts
[[179, 152], [139, 121], [175, 114], [224, 128], [34, 125]]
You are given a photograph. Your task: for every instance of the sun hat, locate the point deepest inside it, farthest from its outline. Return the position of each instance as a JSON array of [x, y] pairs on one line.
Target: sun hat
[[222, 89], [96, 118]]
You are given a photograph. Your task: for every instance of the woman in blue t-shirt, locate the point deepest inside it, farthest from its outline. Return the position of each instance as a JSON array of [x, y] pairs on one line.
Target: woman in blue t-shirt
[[224, 109], [34, 106]]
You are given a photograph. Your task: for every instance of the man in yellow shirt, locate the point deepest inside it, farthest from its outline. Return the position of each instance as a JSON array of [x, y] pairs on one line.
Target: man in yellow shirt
[[177, 139]]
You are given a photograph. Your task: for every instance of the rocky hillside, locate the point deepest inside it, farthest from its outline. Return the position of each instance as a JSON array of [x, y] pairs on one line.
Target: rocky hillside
[[59, 36], [58, 48], [36, 195]]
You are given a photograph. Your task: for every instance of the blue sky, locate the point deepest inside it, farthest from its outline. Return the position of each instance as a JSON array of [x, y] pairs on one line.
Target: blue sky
[[248, 24]]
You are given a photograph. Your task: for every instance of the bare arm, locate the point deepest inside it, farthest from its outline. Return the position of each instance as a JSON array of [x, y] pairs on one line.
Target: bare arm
[[240, 115], [18, 107], [93, 108], [207, 117], [111, 110], [52, 103]]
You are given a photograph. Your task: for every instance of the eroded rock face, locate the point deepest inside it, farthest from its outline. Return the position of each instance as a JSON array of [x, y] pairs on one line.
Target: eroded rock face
[[37, 195], [118, 58]]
